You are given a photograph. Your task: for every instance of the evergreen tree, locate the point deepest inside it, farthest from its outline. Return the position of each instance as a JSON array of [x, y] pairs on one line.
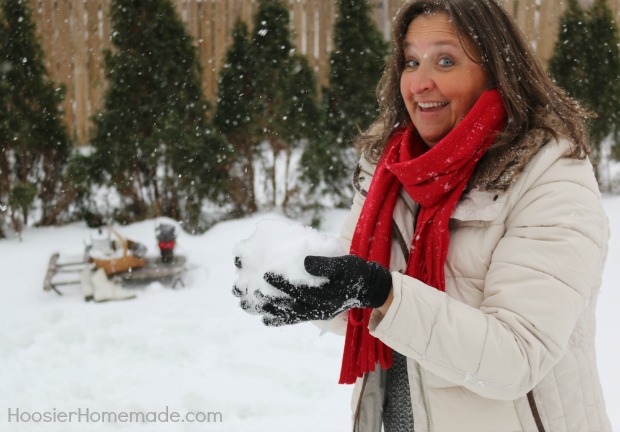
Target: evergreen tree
[[586, 63], [356, 64], [285, 102], [34, 144], [568, 65], [303, 118], [301, 107], [604, 84], [152, 138], [267, 95], [235, 119], [271, 44]]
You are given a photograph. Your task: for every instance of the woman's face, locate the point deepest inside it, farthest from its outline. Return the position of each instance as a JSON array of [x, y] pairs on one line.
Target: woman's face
[[440, 83]]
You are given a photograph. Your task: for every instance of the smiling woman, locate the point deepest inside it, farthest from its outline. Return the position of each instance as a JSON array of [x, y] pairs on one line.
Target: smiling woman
[[477, 240]]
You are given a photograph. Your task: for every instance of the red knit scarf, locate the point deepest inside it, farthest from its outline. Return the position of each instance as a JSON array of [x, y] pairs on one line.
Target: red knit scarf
[[434, 178]]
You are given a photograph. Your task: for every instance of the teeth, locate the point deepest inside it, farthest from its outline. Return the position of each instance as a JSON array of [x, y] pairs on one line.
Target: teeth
[[426, 105]]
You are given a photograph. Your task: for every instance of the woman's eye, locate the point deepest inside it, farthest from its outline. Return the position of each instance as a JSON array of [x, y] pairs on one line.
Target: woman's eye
[[411, 64], [446, 61]]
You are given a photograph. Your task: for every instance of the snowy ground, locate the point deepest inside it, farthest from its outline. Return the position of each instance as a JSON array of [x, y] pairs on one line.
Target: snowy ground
[[190, 350]]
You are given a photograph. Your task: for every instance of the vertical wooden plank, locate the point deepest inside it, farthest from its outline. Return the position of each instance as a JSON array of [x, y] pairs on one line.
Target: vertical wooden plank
[[199, 28], [106, 24], [233, 10], [246, 11], [304, 27], [393, 7], [80, 70], [203, 47], [228, 18], [311, 33], [181, 10], [199, 43], [48, 36], [65, 57], [192, 19], [384, 18], [532, 13], [324, 34], [549, 26], [104, 29], [297, 20], [509, 6], [36, 15], [376, 10], [95, 57], [328, 27], [332, 23], [516, 9], [178, 5], [208, 49], [33, 6], [56, 48], [520, 9], [220, 35], [525, 17]]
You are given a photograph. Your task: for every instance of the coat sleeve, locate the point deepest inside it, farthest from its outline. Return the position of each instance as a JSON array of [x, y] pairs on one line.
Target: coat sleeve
[[543, 272]]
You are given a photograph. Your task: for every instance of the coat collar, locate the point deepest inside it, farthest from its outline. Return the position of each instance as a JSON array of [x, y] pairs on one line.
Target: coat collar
[[504, 161]]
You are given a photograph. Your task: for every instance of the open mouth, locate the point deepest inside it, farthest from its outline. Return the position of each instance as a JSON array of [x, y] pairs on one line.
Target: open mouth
[[431, 106]]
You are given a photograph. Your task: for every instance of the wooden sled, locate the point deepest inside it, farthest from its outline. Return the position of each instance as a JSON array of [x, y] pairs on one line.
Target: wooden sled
[[130, 268]]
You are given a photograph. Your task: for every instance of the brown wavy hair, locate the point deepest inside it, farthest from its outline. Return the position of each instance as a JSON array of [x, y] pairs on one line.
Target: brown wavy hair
[[531, 99]]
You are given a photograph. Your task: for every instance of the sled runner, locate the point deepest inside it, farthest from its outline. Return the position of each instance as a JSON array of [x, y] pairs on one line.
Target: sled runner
[[54, 268], [123, 261]]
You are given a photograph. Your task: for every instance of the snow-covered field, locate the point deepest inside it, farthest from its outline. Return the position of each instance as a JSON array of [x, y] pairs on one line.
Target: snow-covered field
[[188, 350]]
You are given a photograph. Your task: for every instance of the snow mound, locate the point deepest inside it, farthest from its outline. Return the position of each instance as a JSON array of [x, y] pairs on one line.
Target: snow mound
[[280, 246]]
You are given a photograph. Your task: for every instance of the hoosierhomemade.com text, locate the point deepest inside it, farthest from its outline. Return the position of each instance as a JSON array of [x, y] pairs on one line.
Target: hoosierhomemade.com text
[[86, 415]]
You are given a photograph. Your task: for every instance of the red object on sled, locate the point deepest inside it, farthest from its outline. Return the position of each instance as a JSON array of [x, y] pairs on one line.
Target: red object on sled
[[166, 245], [166, 249]]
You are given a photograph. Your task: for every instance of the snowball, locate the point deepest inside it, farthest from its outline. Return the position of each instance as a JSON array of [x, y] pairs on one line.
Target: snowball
[[280, 247]]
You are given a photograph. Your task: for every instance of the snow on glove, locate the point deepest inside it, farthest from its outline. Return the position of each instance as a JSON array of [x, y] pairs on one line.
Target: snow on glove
[[249, 302], [352, 282]]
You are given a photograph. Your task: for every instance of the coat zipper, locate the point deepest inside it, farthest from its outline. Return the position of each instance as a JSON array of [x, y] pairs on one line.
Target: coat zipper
[[405, 249], [535, 413], [428, 416]]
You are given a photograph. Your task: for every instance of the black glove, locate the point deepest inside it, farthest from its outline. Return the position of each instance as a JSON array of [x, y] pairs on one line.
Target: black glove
[[353, 282]]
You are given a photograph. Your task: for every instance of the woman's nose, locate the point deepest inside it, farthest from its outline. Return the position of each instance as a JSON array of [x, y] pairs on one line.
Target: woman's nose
[[421, 81]]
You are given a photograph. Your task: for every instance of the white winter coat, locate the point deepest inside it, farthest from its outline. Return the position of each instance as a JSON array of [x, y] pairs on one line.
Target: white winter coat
[[510, 345]]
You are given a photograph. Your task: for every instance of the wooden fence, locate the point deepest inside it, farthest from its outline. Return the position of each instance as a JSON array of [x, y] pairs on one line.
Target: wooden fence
[[74, 34]]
